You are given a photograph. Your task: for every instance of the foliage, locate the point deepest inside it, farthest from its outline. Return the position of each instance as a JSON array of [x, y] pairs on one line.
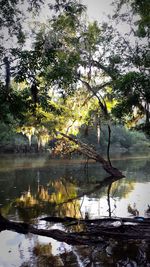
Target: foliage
[[122, 139], [140, 10], [13, 15], [75, 74], [10, 141], [132, 88]]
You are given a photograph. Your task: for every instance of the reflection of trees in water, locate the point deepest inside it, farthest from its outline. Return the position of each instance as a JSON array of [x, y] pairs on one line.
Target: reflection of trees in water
[[42, 257], [114, 254], [126, 254], [122, 188], [108, 199], [136, 169], [131, 164], [119, 189], [13, 183], [46, 200], [115, 189]]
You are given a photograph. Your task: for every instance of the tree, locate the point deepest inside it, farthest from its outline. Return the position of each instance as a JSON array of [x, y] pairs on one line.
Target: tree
[[13, 14], [41, 68], [12, 38], [69, 53], [139, 10], [132, 88]]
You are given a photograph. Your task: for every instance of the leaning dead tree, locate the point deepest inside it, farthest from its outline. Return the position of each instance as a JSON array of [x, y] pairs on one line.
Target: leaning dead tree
[[92, 154]]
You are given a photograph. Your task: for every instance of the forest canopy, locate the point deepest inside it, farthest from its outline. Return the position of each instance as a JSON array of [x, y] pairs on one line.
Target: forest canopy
[[68, 74]]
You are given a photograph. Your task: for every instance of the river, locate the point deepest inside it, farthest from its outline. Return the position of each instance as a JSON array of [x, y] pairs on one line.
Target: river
[[34, 186]]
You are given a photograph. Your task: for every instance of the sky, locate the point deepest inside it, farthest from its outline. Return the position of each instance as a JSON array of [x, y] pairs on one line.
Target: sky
[[97, 8], [100, 9]]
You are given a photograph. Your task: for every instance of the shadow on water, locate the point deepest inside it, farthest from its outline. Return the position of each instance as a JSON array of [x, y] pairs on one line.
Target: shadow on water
[[34, 187]]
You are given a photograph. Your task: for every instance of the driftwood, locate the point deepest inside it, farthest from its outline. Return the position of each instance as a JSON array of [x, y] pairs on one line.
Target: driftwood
[[92, 154], [97, 231]]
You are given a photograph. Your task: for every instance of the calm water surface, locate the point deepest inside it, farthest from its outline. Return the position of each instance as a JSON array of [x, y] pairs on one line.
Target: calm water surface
[[34, 186]]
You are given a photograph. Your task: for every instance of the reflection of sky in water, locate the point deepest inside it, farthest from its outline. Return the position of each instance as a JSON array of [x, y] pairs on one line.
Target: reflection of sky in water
[[99, 207], [14, 248], [57, 247]]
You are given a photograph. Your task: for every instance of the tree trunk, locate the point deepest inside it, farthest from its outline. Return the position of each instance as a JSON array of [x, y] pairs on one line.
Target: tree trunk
[[147, 114], [92, 154]]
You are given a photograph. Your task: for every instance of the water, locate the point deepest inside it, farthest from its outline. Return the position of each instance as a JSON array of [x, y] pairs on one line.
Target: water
[[35, 186]]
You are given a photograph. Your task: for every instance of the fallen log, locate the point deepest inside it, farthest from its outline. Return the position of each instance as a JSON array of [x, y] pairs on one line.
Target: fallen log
[[104, 220], [62, 236], [95, 233]]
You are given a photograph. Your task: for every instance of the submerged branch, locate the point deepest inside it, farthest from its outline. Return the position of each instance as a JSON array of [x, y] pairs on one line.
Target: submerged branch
[[108, 147]]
